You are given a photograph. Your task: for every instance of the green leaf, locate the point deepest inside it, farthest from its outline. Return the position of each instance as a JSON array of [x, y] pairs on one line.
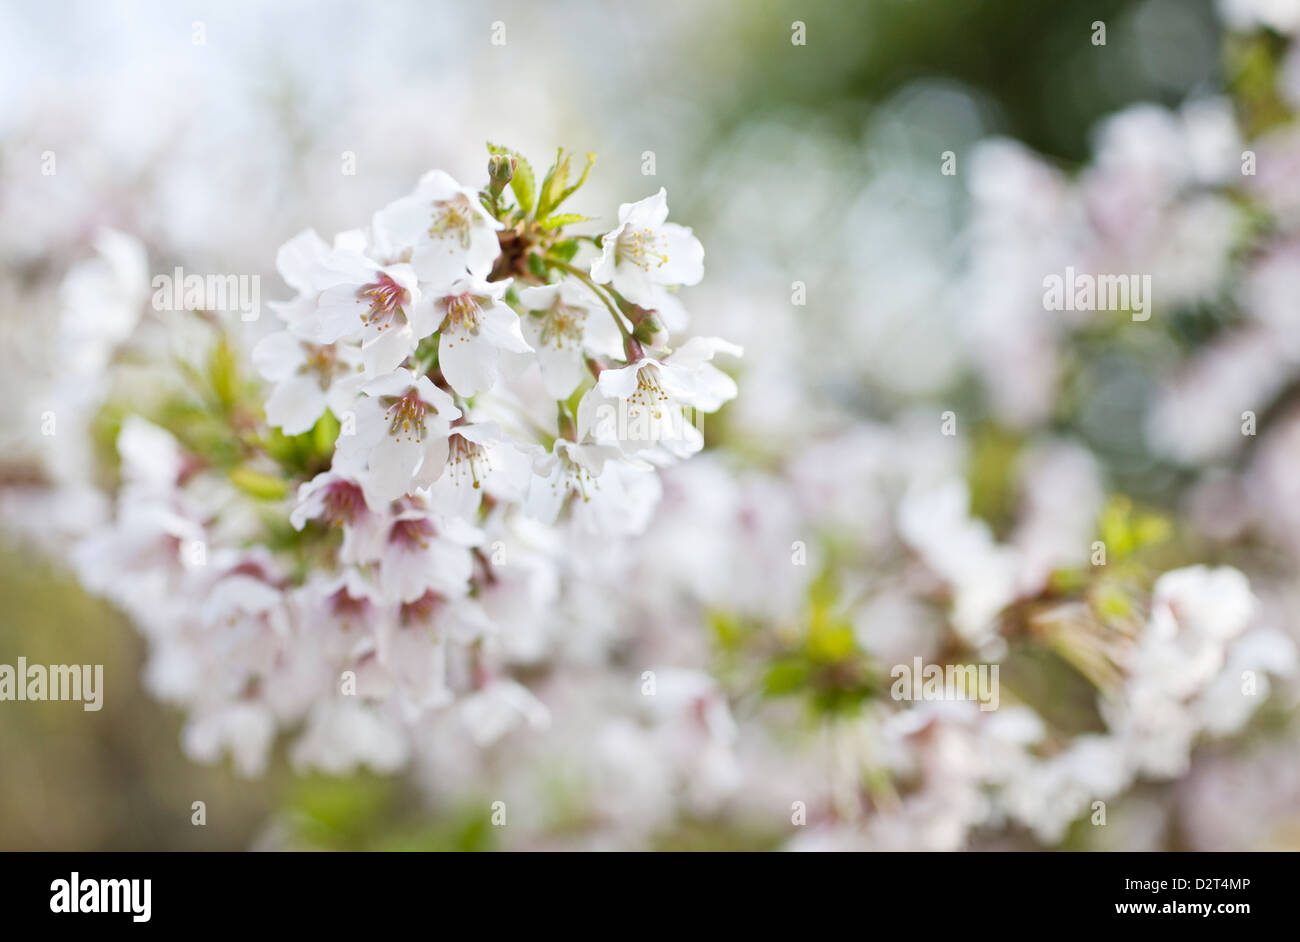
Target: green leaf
[[324, 433], [785, 677], [259, 484], [522, 185], [555, 187], [552, 184], [569, 191], [565, 250], [223, 373], [565, 219]]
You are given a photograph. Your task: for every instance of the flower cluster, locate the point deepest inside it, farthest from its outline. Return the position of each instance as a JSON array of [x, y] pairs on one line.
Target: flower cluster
[[460, 397]]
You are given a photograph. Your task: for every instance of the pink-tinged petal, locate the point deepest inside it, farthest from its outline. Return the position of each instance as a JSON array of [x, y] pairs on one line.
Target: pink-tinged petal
[[311, 499], [404, 276]]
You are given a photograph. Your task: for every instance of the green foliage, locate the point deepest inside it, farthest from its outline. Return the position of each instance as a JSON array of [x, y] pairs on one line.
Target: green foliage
[[990, 475], [1126, 531], [1254, 62], [369, 812], [564, 219], [305, 455], [564, 250], [556, 187], [259, 484], [825, 664]]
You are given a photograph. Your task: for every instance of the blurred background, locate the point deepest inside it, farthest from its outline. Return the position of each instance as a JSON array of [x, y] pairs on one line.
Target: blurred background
[[216, 131]]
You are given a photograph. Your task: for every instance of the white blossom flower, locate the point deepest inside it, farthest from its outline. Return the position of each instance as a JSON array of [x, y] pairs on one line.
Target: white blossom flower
[[342, 735], [308, 379], [481, 460], [340, 501], [419, 551], [441, 229], [645, 253], [402, 422], [303, 264], [567, 322], [476, 326], [243, 729], [499, 707], [103, 299], [642, 407], [609, 494], [379, 305]]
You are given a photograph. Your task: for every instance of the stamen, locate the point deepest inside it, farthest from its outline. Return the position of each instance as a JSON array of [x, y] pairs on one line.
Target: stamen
[[640, 247], [344, 605], [323, 360], [464, 456], [411, 533], [647, 394], [452, 219], [563, 324], [386, 298], [422, 609], [464, 313], [344, 502], [405, 415]]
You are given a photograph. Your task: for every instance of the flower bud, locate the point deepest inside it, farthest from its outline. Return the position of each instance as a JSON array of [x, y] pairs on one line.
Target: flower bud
[[501, 169], [650, 331]]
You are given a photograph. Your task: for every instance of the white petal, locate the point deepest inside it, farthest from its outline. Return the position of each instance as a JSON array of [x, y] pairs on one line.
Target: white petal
[[278, 355], [295, 404], [469, 363], [501, 326], [387, 350], [392, 464], [621, 383], [338, 315], [297, 258], [685, 264]]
